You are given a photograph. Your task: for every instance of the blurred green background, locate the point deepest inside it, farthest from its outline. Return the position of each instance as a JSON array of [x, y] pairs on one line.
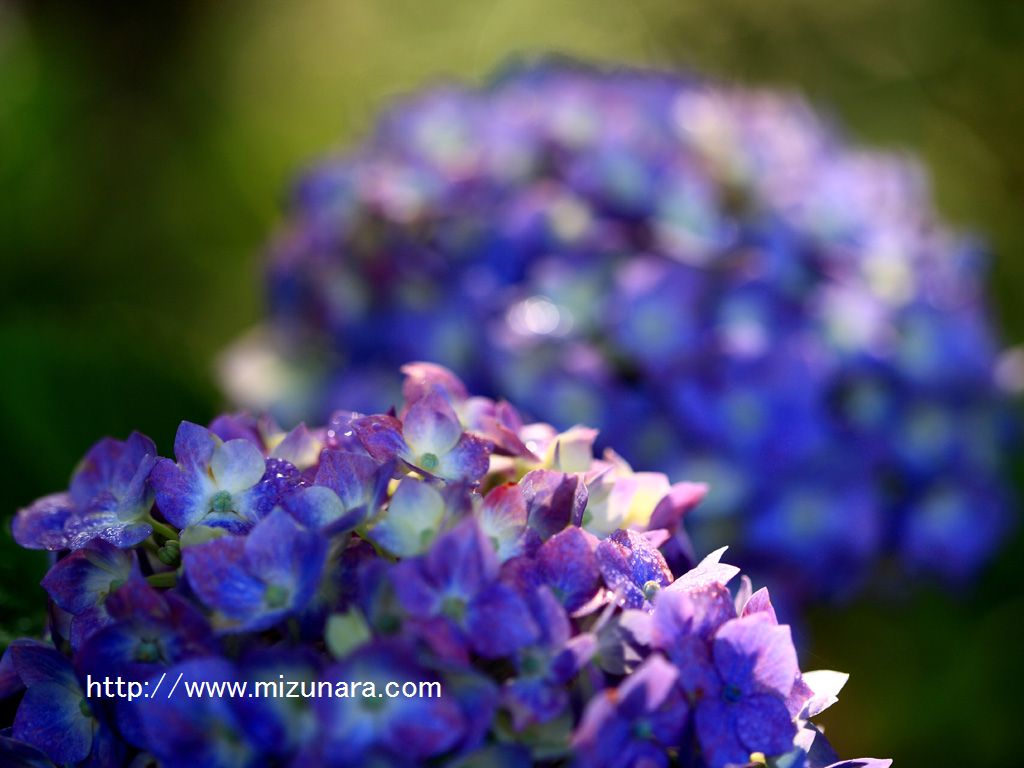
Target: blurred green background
[[145, 151]]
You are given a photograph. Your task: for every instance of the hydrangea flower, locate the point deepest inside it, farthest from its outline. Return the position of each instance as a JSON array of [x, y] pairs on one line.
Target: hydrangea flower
[[326, 565], [712, 276]]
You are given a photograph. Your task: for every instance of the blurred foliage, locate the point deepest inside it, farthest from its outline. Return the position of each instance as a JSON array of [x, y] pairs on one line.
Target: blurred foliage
[[145, 149]]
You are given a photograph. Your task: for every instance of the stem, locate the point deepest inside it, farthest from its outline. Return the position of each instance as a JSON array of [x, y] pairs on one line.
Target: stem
[[163, 529], [166, 579], [150, 545]]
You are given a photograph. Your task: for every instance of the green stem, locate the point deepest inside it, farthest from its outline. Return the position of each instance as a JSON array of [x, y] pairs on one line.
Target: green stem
[[163, 529], [151, 546], [166, 579]]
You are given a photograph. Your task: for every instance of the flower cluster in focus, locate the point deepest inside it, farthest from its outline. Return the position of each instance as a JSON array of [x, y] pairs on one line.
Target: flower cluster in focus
[[708, 275], [550, 593]]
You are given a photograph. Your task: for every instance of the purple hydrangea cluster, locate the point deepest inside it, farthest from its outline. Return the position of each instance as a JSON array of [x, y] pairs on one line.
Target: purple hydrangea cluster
[[708, 275], [447, 543]]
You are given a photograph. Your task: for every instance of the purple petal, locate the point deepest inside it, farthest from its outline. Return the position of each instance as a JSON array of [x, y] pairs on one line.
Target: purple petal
[[421, 379], [760, 602], [18, 754], [462, 558], [698, 612], [567, 563], [499, 623], [655, 679], [629, 564], [755, 655], [716, 732], [41, 524], [469, 460], [237, 426], [216, 573], [37, 663], [317, 507], [358, 480], [533, 700], [280, 551], [681, 498], [431, 426], [554, 500], [381, 436], [763, 724]]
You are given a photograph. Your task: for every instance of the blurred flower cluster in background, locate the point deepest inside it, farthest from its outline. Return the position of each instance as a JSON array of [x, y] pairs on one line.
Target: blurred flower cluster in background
[[707, 275], [143, 156]]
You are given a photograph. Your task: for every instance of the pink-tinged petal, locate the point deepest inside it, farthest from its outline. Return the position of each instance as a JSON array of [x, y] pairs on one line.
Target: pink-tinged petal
[[422, 378], [237, 465], [760, 602], [756, 656], [708, 571], [41, 524], [469, 460], [380, 435], [799, 696], [503, 519], [431, 426], [681, 498], [301, 447]]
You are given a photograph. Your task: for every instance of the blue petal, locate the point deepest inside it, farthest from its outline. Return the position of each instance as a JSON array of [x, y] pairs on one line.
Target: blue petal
[[237, 465], [181, 495], [41, 525], [50, 718], [83, 579]]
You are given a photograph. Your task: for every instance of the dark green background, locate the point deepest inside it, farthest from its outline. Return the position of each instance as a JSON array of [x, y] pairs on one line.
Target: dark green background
[[144, 154]]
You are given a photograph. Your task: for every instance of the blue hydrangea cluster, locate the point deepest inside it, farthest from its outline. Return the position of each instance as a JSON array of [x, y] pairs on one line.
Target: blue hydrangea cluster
[[708, 275], [448, 543]]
